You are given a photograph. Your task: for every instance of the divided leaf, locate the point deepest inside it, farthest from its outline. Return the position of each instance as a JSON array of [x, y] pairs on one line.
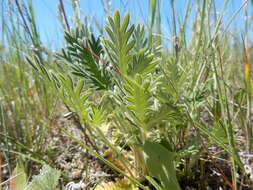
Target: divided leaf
[[143, 63], [120, 42], [72, 94], [138, 100], [46, 180], [83, 55]]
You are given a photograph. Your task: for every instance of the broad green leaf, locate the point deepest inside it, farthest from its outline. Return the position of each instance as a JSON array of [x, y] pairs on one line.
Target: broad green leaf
[[19, 180], [159, 162]]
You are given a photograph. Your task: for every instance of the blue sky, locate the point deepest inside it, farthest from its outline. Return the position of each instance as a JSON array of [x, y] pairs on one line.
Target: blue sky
[[51, 32]]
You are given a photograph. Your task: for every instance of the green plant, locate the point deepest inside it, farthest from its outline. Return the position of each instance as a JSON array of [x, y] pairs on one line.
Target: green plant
[[47, 179], [27, 104], [175, 105]]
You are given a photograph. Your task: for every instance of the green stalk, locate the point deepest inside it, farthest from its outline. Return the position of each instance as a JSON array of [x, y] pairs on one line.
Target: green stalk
[[136, 182], [200, 41], [158, 23], [175, 37], [247, 73], [152, 14]]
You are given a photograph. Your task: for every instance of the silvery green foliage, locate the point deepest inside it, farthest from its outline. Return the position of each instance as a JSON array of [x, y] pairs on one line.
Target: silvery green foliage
[[120, 42], [46, 180], [83, 55]]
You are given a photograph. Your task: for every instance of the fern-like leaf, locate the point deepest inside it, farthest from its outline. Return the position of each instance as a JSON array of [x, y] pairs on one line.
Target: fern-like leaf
[[83, 55], [143, 63], [138, 100], [140, 38], [120, 44], [46, 180], [72, 95]]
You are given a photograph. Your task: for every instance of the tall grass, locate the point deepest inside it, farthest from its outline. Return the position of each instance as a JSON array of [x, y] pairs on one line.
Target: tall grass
[[27, 103]]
